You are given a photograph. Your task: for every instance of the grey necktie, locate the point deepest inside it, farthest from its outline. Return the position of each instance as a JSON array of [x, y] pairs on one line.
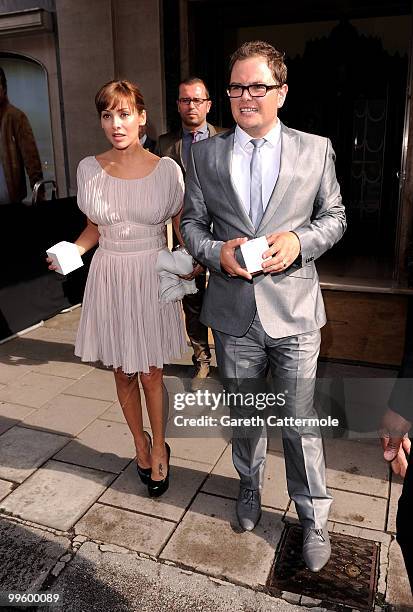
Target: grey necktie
[[256, 207]]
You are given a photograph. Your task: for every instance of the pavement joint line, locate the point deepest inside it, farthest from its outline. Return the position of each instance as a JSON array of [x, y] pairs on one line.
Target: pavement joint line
[[191, 501], [16, 519], [155, 516], [65, 392], [23, 425], [212, 494], [359, 527], [96, 469], [369, 495], [208, 463], [14, 482]]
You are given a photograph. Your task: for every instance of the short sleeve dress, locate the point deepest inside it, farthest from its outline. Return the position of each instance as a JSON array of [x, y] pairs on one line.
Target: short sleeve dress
[[123, 324]]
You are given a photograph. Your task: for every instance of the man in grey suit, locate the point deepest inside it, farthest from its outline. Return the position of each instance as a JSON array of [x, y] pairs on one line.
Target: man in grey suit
[[264, 179]]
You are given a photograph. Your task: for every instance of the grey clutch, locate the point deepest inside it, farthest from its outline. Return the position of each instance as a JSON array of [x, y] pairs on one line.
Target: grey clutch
[[169, 267]]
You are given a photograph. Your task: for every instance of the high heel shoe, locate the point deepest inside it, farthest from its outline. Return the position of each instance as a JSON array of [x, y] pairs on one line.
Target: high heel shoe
[[156, 488], [145, 473]]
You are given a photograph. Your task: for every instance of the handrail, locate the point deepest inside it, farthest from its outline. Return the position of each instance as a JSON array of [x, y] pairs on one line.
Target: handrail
[[41, 184]]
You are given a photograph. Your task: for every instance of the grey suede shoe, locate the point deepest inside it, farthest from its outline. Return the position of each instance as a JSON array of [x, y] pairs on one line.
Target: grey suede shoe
[[316, 548], [248, 508]]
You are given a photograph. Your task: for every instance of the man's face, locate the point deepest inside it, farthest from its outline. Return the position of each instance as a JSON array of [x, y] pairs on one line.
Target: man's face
[[193, 115], [256, 116]]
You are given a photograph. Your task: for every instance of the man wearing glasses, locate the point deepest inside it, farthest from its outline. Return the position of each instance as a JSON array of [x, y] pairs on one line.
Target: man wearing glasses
[[193, 106], [265, 179]]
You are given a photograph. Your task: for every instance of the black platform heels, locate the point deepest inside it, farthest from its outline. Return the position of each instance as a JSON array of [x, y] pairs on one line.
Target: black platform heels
[[145, 473], [156, 488]]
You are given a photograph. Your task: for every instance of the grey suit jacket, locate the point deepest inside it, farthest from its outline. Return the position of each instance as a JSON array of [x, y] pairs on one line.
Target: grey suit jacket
[[170, 144], [305, 199]]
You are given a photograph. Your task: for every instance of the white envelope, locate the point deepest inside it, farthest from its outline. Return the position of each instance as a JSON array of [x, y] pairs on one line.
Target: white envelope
[[65, 256], [252, 252]]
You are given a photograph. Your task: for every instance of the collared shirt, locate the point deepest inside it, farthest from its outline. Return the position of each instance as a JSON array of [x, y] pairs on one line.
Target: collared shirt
[[188, 138], [270, 163]]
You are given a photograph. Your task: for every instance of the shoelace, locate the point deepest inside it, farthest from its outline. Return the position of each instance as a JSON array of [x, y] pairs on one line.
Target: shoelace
[[318, 532], [249, 497]]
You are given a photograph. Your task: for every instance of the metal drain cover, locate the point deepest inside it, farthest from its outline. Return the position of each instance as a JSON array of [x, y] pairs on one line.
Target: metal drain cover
[[349, 578]]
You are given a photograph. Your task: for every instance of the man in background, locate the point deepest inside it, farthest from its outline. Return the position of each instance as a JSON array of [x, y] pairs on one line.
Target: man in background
[[193, 106], [147, 142], [18, 150]]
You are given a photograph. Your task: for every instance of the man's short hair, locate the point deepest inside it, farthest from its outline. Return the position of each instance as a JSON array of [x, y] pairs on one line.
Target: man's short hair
[[3, 80], [193, 80], [259, 48]]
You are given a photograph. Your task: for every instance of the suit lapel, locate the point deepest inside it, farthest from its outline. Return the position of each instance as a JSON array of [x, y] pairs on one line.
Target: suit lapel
[[178, 150], [290, 144], [225, 145]]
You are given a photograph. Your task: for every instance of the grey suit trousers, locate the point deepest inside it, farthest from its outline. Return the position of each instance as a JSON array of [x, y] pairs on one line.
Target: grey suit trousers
[[292, 362]]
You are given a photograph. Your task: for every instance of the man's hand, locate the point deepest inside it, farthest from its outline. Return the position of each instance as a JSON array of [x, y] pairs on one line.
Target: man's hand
[[394, 441], [284, 249], [198, 269], [228, 261]]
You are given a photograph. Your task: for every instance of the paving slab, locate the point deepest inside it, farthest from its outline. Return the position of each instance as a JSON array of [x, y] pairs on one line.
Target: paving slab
[[355, 509], [395, 492], [356, 466], [360, 532], [398, 592], [11, 414], [98, 384], [201, 450], [27, 555], [67, 414], [66, 369], [116, 526], [209, 540], [57, 495], [12, 370], [33, 389], [115, 413], [56, 335], [224, 480], [128, 492], [5, 488], [103, 445], [31, 351], [97, 580], [65, 320], [23, 450]]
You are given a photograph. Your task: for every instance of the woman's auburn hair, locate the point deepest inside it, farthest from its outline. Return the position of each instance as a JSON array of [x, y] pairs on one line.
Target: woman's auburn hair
[[113, 92]]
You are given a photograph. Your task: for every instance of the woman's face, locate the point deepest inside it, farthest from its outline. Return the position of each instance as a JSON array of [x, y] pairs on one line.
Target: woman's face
[[121, 125]]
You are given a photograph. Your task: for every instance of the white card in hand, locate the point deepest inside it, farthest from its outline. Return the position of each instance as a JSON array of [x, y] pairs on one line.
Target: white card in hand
[[65, 256], [252, 252]]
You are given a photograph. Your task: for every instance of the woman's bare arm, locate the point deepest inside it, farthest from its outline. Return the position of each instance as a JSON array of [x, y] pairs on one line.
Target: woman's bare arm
[[88, 238]]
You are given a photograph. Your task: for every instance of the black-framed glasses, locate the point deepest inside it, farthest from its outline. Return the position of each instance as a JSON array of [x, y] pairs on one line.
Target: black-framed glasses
[[256, 90], [195, 101]]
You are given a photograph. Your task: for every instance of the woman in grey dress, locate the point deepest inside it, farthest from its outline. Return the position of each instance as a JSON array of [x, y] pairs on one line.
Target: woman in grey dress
[[128, 194]]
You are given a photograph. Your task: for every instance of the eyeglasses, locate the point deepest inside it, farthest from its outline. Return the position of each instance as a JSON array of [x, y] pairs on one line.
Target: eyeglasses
[[256, 90], [195, 101]]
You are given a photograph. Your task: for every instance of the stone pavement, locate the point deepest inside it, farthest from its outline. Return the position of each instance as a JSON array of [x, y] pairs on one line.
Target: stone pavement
[[74, 516]]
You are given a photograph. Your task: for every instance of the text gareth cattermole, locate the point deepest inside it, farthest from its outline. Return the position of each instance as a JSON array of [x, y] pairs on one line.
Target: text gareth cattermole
[[213, 400]]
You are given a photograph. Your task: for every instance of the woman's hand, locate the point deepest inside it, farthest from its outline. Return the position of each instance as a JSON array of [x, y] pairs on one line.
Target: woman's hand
[[51, 265], [198, 269]]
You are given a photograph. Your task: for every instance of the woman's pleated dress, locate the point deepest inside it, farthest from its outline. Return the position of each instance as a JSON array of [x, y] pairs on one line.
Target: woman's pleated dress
[[123, 324]]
